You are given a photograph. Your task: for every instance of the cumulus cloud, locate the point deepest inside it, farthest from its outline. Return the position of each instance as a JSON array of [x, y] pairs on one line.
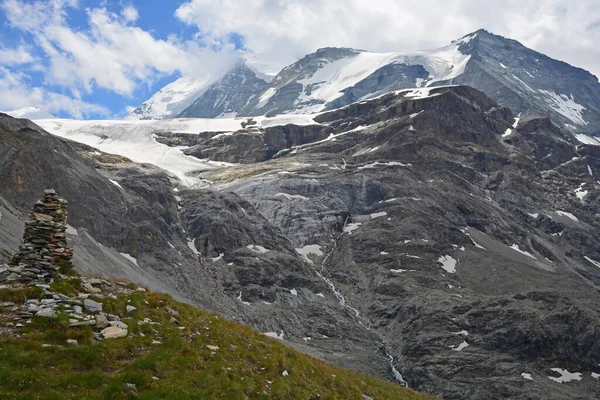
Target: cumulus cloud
[[283, 30], [15, 56], [111, 54], [16, 92]]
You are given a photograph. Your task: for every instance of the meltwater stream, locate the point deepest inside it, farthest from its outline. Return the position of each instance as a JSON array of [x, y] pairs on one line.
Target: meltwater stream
[[362, 321]]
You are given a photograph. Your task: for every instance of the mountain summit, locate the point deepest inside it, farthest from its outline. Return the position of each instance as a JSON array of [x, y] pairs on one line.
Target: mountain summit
[[526, 81]]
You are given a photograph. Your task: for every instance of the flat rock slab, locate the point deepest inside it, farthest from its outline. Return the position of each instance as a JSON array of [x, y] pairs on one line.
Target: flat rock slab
[[113, 332]]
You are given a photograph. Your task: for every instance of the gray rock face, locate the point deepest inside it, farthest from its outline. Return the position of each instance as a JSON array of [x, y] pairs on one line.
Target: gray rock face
[[230, 94], [532, 83], [470, 250], [427, 240]]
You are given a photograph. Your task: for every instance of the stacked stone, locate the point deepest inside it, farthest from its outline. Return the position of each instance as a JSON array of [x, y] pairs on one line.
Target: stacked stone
[[44, 241]]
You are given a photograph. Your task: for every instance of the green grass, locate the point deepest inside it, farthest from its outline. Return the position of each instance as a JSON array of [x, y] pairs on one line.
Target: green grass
[[247, 365]]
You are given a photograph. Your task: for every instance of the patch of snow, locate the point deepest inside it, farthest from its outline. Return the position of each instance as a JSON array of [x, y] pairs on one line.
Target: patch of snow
[[257, 248], [565, 376], [192, 245], [32, 113], [567, 214], [218, 258], [321, 295], [503, 66], [274, 335], [565, 106], [477, 245], [244, 302], [460, 347], [398, 271], [292, 196], [448, 263], [265, 97], [517, 119], [507, 133], [533, 215], [384, 253], [588, 139], [516, 248], [309, 249], [595, 375], [594, 262], [526, 376], [463, 332], [294, 292], [351, 227], [378, 214], [129, 257], [590, 171], [116, 184], [580, 193], [414, 115], [385, 164], [524, 84]]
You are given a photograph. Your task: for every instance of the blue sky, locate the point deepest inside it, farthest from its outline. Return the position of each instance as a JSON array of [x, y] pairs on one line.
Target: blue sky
[[100, 59]]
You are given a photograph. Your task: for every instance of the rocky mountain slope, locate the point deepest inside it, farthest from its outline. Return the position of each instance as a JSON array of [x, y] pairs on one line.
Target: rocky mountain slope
[[428, 236], [90, 338], [527, 82]]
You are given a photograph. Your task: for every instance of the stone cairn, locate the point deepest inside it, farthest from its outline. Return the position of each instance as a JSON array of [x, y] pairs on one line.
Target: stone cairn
[[44, 242]]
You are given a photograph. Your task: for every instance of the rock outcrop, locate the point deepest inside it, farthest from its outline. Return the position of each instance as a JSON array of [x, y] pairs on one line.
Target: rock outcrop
[[44, 241]]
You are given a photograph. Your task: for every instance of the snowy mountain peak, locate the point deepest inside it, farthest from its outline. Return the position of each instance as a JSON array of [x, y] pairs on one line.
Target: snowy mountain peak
[[31, 113], [513, 75]]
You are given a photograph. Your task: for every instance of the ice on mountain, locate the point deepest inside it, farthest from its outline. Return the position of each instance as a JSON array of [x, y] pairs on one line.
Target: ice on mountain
[[309, 249], [588, 139], [129, 257], [351, 227], [192, 245], [460, 347], [565, 376], [516, 248], [565, 106], [378, 214], [596, 263], [526, 376], [580, 193], [448, 263], [568, 215], [116, 184], [257, 248], [274, 335]]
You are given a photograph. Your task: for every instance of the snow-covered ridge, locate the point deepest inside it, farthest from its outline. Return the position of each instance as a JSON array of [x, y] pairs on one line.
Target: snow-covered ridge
[[329, 81], [172, 99], [31, 113]]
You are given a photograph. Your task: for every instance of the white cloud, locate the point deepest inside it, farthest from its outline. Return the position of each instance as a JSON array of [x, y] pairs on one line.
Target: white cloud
[[16, 92], [129, 14], [112, 53], [16, 56], [283, 30]]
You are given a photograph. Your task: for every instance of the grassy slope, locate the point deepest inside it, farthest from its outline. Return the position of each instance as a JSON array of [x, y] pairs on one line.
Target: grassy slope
[[246, 365]]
